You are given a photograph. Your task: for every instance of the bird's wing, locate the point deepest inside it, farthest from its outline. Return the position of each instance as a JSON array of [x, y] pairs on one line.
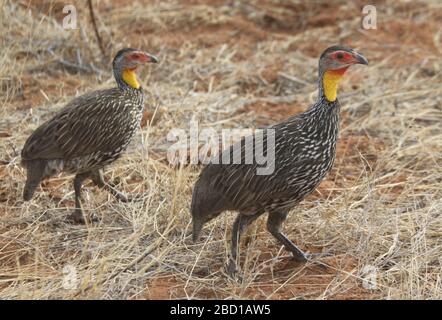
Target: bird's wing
[[80, 128], [242, 184]]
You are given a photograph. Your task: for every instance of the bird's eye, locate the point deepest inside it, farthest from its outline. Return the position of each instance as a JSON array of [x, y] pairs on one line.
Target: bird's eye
[[339, 55]]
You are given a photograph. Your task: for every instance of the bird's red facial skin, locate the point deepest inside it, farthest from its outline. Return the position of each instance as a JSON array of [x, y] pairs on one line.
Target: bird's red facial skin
[[343, 56], [140, 57]]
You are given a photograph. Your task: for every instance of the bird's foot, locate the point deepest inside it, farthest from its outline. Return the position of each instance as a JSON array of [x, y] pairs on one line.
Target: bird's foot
[[317, 255], [78, 217], [300, 257], [130, 198], [303, 257], [122, 197], [312, 258], [231, 268], [232, 271]]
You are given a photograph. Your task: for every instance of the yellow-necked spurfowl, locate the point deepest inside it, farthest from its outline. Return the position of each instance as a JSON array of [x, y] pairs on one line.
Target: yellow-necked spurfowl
[[305, 149], [89, 133]]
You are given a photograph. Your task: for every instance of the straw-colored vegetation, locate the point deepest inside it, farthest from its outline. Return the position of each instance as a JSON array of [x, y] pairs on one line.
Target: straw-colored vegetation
[[227, 64]]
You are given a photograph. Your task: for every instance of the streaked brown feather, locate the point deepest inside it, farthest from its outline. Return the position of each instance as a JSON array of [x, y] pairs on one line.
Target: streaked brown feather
[[99, 121]]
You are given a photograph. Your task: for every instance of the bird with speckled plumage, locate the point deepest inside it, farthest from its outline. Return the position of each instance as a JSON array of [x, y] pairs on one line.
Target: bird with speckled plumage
[[90, 132], [305, 149]]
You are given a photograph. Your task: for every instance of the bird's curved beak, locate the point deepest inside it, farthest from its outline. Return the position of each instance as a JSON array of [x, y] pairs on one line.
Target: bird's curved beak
[[151, 58], [147, 57], [359, 58]]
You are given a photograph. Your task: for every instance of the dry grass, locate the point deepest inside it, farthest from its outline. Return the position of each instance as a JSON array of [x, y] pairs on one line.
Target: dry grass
[[228, 64]]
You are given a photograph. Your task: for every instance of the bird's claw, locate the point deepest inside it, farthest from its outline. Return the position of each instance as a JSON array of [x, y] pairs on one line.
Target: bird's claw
[[312, 258], [317, 255], [78, 217], [130, 198], [232, 271]]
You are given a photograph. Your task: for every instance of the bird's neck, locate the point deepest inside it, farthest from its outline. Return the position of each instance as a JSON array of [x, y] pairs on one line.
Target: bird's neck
[[328, 83], [127, 79]]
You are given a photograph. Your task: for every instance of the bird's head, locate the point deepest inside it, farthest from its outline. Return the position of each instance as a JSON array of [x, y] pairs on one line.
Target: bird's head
[[333, 63], [200, 214], [199, 219], [126, 62]]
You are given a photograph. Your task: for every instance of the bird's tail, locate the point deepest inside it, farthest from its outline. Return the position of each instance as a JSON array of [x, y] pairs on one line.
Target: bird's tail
[[35, 171]]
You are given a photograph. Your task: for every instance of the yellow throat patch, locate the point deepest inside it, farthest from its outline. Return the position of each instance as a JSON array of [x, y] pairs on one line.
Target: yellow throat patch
[[130, 78], [330, 83]]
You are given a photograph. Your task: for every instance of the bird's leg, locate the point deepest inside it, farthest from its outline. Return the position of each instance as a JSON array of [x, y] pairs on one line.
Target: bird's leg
[[118, 194], [98, 179], [241, 223], [231, 267], [78, 215], [274, 223]]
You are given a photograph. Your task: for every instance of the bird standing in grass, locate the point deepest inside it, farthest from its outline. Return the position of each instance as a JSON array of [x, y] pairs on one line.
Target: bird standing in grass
[[89, 133], [305, 149]]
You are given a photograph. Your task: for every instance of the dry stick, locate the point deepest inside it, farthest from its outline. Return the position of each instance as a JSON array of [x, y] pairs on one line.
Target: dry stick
[[97, 34]]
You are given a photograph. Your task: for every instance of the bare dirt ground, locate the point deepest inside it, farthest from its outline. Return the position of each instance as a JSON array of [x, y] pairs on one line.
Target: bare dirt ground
[[228, 64]]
